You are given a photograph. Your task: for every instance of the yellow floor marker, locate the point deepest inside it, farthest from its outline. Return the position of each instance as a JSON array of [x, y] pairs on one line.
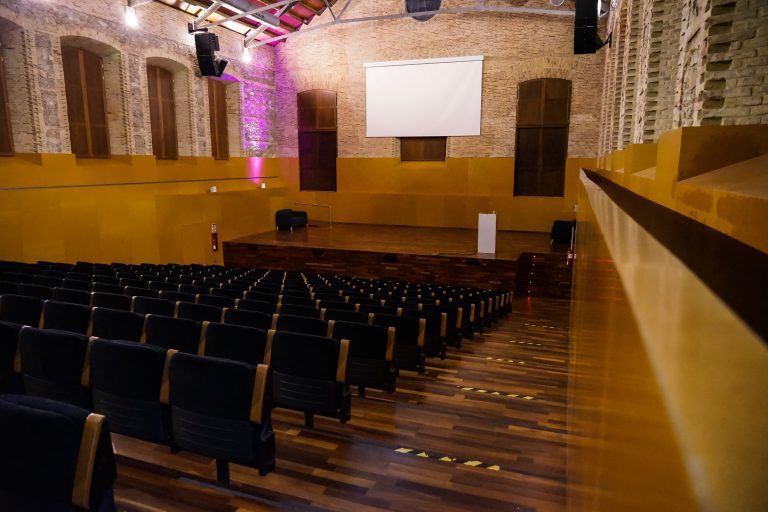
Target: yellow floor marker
[[404, 450], [472, 463], [493, 468], [423, 454]]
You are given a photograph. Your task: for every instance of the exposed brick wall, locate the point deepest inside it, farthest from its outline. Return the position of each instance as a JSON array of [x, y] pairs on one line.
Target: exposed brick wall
[[42, 122], [516, 48]]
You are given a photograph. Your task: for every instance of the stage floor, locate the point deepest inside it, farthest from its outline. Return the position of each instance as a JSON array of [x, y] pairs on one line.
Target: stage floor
[[446, 242]]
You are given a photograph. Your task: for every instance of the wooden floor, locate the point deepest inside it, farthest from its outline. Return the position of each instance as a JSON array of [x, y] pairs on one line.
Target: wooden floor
[[485, 429], [402, 240]]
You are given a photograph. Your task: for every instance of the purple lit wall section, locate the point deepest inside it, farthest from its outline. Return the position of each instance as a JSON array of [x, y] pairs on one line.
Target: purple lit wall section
[[256, 121]]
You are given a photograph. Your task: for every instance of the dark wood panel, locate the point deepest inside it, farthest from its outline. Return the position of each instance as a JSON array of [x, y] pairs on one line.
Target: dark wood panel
[[162, 112], [317, 160], [217, 105], [422, 149], [316, 110], [86, 102], [515, 445]]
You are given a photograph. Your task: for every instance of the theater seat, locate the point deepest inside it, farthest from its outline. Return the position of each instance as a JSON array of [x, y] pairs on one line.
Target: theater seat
[[247, 318], [72, 296], [55, 457], [235, 342], [371, 352], [409, 340], [21, 309], [147, 305], [113, 324], [309, 374], [300, 324], [130, 387], [65, 316], [54, 365], [172, 333], [111, 301], [10, 359], [218, 409], [198, 312]]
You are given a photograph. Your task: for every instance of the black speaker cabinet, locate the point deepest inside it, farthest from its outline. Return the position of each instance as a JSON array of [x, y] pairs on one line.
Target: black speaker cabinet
[[206, 45], [585, 38]]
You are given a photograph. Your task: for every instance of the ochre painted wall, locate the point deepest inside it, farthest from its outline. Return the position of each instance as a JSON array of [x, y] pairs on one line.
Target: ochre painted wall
[[441, 194], [57, 207]]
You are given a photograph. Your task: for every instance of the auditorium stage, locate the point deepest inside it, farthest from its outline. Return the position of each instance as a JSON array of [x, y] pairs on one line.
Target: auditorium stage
[[444, 255]]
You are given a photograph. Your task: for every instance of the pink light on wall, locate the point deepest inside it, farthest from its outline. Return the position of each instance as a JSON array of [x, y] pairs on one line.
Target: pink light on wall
[[255, 168]]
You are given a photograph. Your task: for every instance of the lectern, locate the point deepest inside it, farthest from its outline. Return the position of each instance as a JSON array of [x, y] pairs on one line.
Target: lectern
[[486, 233]]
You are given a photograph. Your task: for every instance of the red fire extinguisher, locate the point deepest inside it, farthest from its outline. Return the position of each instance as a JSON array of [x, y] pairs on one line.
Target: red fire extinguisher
[[214, 238]]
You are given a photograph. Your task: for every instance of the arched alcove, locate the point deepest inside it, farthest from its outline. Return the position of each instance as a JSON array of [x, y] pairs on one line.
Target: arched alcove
[[15, 53]]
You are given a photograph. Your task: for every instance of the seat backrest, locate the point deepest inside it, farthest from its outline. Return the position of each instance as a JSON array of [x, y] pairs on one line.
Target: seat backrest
[[297, 300], [215, 300], [225, 292], [297, 310], [194, 289], [147, 305], [307, 356], [9, 287], [135, 291], [408, 330], [111, 301], [72, 296], [235, 342], [76, 284], [247, 318], [365, 341], [177, 296], [133, 281], [374, 308], [104, 279], [55, 456], [114, 324], [10, 359], [36, 290], [49, 281], [261, 306], [127, 369], [108, 288], [54, 365], [198, 312], [172, 333], [334, 304], [65, 316], [300, 324], [21, 309], [345, 314]]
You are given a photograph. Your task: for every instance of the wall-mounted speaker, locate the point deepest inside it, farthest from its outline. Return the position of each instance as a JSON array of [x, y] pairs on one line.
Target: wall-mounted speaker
[[206, 46], [585, 38]]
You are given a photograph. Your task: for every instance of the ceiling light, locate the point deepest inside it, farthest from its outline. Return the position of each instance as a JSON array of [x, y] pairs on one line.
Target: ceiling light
[[130, 17]]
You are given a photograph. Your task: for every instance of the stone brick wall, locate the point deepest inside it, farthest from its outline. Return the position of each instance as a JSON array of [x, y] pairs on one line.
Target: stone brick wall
[[32, 36], [681, 63], [516, 47]]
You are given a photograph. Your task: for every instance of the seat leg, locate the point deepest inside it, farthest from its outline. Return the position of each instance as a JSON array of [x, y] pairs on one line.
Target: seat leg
[[309, 419], [222, 471], [361, 391]]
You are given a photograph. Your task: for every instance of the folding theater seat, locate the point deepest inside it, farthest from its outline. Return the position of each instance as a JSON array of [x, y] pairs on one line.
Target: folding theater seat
[[295, 300], [256, 305], [435, 342], [334, 304], [132, 282], [48, 281], [135, 291], [147, 305], [65, 316], [9, 287], [104, 279], [215, 300], [247, 318], [235, 342], [72, 296], [409, 340], [219, 409], [198, 312], [108, 288], [265, 296], [379, 309], [54, 365], [114, 324], [296, 310], [176, 296], [299, 324], [309, 374], [194, 289], [129, 382], [371, 353], [10, 358], [20, 309], [224, 292], [162, 286], [111, 301], [454, 316], [79, 276], [172, 333], [56, 457], [76, 284], [345, 315]]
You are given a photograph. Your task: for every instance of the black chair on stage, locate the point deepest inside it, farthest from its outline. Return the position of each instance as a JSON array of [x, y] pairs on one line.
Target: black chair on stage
[[371, 353], [65, 316], [198, 312], [55, 457], [289, 219], [409, 340], [72, 296], [54, 365], [154, 306], [309, 374], [247, 318], [168, 332], [235, 342], [219, 409], [21, 309], [129, 382], [114, 324], [299, 324]]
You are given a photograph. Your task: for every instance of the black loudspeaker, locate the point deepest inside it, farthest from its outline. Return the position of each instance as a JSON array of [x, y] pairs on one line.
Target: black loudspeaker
[[206, 45], [585, 38]]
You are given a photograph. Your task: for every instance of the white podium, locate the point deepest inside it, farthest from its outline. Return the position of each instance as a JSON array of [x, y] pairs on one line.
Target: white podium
[[486, 233]]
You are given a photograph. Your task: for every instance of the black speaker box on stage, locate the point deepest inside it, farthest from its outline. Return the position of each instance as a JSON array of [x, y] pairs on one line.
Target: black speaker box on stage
[[206, 45]]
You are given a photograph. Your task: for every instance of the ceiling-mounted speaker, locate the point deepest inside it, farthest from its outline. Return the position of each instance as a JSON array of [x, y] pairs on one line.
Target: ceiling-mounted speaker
[[206, 46]]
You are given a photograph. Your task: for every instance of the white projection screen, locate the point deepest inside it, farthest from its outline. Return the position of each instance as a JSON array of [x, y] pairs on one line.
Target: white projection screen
[[424, 98]]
